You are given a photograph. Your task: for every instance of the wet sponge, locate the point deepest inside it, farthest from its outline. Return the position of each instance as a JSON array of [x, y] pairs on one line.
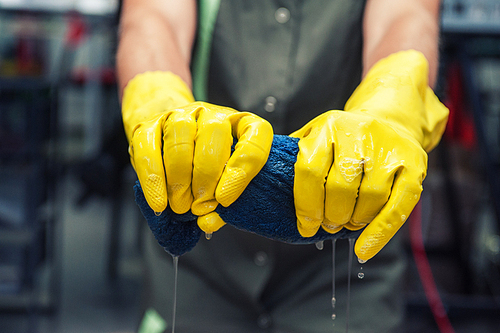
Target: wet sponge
[[265, 207]]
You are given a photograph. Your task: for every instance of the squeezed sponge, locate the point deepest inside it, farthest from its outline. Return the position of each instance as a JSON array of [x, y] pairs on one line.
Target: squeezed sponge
[[265, 208]]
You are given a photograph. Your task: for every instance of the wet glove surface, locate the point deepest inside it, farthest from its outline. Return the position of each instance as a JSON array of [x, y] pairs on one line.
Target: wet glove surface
[[265, 208], [373, 154]]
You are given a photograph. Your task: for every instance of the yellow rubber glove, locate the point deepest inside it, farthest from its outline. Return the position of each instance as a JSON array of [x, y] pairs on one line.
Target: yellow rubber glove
[[181, 149], [366, 165]]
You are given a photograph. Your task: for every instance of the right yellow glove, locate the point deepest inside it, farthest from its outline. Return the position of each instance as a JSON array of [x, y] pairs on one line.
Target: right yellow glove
[[365, 166], [181, 149]]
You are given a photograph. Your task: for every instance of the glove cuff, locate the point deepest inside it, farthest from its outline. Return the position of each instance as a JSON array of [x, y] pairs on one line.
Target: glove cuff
[[396, 91], [153, 93]]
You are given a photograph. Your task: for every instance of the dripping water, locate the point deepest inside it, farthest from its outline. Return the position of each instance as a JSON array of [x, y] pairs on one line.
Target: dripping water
[[361, 275], [334, 299], [176, 271], [349, 269], [208, 235], [319, 245]]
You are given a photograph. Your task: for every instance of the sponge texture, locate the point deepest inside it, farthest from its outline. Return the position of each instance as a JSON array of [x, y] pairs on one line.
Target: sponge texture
[[265, 208]]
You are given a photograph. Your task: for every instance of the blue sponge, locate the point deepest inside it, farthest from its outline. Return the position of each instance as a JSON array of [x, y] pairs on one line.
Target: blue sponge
[[265, 208]]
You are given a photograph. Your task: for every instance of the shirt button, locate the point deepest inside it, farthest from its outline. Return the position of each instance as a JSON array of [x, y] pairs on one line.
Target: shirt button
[[270, 104], [261, 258], [264, 321], [282, 15]]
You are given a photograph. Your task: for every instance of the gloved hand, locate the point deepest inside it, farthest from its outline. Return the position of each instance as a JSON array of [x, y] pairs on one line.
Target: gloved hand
[[365, 166], [181, 149]]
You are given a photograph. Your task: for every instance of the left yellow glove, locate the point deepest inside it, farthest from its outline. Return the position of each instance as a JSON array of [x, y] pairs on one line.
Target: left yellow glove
[[181, 149], [366, 165]]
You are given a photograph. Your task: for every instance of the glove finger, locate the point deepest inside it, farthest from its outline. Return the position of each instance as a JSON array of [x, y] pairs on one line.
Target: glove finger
[[210, 223], [330, 227], [354, 226], [374, 192], [178, 151], [255, 137], [212, 150], [404, 196], [342, 190], [314, 160], [146, 158]]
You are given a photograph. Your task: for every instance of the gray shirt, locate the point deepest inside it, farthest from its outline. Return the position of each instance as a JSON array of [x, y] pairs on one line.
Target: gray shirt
[[287, 61]]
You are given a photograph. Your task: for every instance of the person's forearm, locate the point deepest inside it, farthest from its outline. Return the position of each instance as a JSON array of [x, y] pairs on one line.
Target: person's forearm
[[394, 25], [155, 35]]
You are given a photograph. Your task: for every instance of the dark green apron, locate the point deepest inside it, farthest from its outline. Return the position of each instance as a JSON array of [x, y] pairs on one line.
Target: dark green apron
[[287, 61]]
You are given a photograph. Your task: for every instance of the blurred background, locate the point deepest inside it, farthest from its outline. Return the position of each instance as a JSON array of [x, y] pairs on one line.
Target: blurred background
[[70, 249]]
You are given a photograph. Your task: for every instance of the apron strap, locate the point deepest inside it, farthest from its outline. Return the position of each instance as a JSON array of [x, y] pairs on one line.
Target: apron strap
[[207, 12]]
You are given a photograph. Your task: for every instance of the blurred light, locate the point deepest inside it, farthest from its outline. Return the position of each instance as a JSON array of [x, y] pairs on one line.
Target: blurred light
[[91, 7]]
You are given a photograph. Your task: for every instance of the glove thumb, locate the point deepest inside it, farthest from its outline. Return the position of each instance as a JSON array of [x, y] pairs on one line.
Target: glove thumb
[[210, 223]]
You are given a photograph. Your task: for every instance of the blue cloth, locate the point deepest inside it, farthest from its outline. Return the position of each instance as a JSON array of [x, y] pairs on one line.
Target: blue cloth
[[265, 208]]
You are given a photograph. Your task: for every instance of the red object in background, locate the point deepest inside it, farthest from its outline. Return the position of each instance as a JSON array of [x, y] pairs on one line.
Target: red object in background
[[105, 75], [27, 57], [425, 272], [29, 47], [460, 127], [77, 30]]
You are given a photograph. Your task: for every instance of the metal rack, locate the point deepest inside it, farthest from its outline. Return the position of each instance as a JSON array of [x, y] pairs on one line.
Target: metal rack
[[31, 150], [27, 194]]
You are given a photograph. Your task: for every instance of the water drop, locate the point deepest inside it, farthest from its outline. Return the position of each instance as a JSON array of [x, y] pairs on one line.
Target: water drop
[[208, 235], [403, 218], [361, 275], [334, 316], [334, 300], [319, 245], [361, 261], [158, 213]]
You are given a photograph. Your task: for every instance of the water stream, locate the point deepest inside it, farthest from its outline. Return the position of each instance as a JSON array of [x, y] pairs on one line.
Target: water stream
[[349, 270], [176, 271]]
